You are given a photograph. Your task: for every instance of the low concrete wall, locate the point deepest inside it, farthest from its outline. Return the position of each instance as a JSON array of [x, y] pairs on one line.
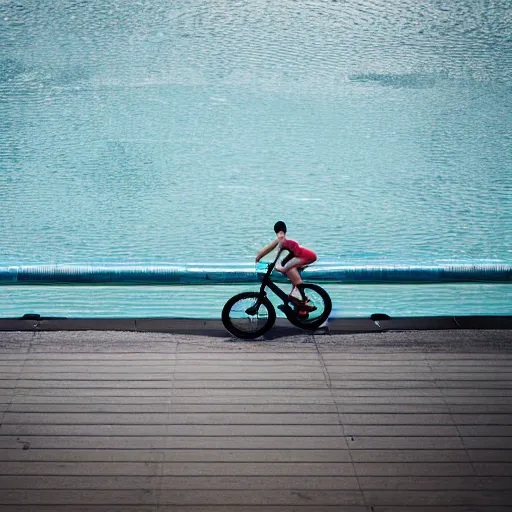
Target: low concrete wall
[[220, 274]]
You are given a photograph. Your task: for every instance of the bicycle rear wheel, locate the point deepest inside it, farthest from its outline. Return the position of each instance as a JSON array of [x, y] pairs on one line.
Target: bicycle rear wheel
[[319, 298], [250, 324]]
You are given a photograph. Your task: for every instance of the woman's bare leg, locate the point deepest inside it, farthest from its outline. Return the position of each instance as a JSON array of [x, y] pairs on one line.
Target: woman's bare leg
[[292, 273], [294, 276]]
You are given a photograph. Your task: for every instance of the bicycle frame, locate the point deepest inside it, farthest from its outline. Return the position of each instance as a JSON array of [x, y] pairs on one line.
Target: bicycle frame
[[267, 282]]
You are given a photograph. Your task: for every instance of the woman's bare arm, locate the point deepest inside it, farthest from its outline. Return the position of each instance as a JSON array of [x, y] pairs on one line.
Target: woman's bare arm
[[270, 247]]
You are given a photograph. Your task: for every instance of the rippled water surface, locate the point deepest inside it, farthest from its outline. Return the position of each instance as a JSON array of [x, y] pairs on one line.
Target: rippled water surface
[[162, 131]]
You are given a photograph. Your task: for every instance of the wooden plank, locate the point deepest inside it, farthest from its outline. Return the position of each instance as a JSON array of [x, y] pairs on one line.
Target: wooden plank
[[504, 384], [163, 384], [487, 443], [397, 455], [485, 430], [390, 400], [145, 442], [387, 390], [380, 363], [256, 351], [179, 468], [475, 368], [12, 367], [89, 508], [176, 418], [476, 401], [116, 354], [184, 497], [171, 408], [373, 376], [476, 390], [396, 419], [392, 357], [502, 468], [438, 497], [387, 384], [484, 455], [175, 376], [472, 376], [172, 430], [35, 372], [313, 395], [213, 482], [392, 408], [244, 398], [421, 482], [460, 355], [496, 482], [477, 364], [378, 367], [483, 419], [400, 430], [183, 455], [85, 357], [59, 497], [418, 469], [227, 407], [468, 507], [6, 376], [196, 508], [122, 368], [162, 366], [405, 443]]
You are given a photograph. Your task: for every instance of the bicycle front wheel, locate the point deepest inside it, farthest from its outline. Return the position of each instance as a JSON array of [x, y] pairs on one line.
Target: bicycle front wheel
[[243, 324]]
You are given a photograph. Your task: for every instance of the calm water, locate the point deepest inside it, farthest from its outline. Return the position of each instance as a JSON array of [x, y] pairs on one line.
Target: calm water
[[171, 132]]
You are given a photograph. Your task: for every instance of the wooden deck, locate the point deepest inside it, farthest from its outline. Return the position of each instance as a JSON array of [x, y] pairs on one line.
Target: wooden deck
[[103, 421]]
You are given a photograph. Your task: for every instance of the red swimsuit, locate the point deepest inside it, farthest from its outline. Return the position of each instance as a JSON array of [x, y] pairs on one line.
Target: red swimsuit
[[306, 256]]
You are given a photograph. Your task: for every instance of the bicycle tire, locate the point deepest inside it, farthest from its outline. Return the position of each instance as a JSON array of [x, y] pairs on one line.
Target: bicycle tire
[[238, 329], [316, 321]]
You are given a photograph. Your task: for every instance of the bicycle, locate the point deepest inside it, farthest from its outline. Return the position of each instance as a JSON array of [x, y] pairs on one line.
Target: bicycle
[[251, 314]]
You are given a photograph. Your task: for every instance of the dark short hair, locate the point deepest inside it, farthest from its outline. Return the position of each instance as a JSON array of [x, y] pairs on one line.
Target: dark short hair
[[280, 226]]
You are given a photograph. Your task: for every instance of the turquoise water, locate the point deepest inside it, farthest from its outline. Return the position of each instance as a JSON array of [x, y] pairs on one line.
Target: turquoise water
[[167, 132]]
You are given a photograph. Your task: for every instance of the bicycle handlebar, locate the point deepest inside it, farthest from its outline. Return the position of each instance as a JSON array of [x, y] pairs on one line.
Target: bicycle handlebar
[[271, 265]]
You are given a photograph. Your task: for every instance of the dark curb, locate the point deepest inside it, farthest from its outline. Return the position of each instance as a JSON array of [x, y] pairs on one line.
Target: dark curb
[[212, 327]]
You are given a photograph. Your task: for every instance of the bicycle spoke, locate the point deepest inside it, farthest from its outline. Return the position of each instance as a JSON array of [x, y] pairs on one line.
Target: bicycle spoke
[[244, 321]]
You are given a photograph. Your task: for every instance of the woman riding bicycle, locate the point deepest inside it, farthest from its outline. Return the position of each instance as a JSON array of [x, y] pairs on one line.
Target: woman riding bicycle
[[298, 257]]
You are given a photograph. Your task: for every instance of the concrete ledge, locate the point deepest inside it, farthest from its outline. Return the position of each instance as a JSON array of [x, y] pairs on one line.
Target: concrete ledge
[[213, 327]]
